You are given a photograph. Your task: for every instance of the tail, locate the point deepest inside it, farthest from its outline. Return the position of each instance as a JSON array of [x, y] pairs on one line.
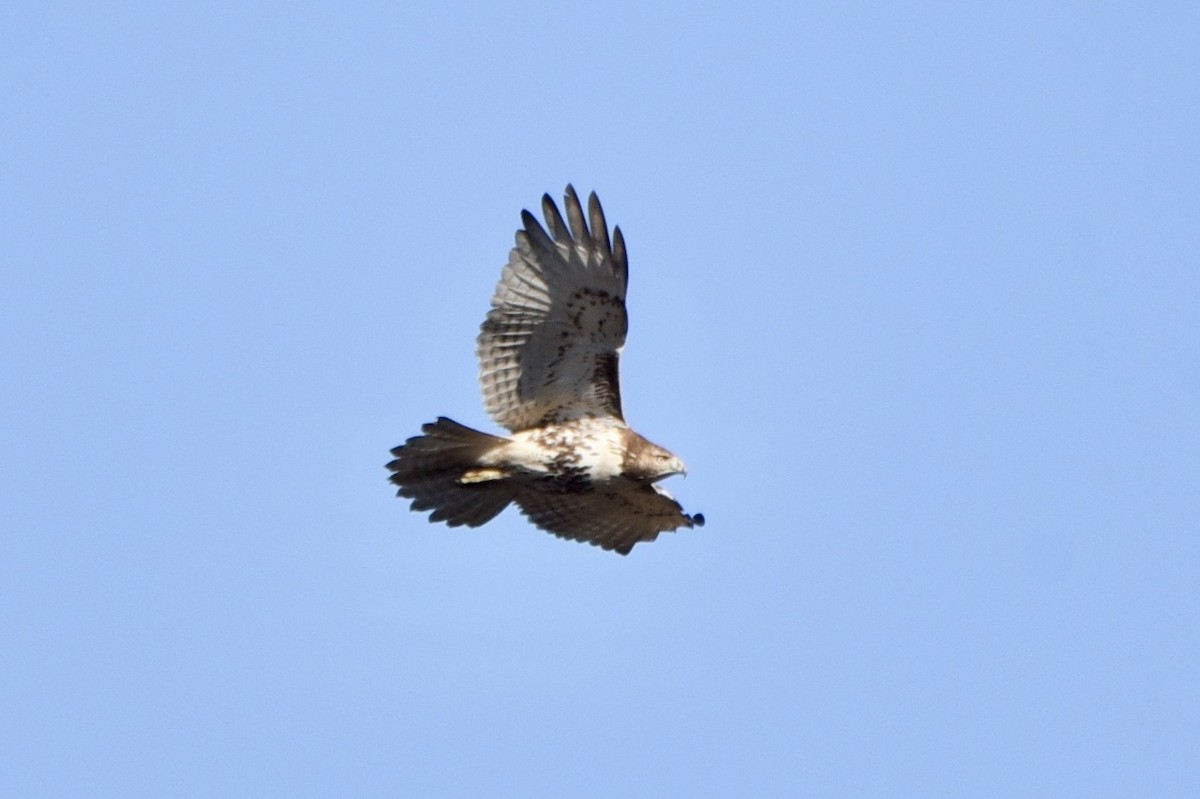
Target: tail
[[440, 471]]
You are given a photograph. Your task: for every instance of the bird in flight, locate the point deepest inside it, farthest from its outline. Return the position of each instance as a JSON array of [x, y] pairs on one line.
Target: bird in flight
[[548, 353]]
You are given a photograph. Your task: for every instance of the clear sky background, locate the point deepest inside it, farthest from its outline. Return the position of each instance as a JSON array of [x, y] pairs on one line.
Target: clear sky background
[[915, 292]]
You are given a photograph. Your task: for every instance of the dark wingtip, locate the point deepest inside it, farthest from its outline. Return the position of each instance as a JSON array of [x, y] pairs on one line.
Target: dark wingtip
[[547, 205], [534, 233], [575, 218], [698, 519], [599, 224]]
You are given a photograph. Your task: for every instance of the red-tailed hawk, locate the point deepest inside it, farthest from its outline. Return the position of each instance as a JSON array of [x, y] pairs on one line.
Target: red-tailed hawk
[[548, 354]]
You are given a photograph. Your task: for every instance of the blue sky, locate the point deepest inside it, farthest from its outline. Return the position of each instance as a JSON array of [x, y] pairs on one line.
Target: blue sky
[[914, 292]]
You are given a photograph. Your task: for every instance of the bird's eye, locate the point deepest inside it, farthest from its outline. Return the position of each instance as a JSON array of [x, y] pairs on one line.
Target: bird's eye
[[662, 457]]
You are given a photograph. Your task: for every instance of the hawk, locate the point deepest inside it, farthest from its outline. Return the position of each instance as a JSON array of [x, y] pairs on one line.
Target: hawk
[[548, 353]]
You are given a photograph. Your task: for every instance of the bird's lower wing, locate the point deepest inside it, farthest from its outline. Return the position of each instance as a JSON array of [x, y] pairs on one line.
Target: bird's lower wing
[[614, 517]]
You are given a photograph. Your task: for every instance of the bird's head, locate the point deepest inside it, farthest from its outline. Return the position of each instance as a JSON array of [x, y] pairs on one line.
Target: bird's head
[[647, 461]]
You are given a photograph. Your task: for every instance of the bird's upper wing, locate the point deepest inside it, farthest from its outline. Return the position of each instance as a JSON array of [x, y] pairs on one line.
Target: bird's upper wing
[[614, 516], [549, 347]]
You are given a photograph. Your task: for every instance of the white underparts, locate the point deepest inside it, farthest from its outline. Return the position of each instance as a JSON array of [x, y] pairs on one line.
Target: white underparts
[[594, 446]]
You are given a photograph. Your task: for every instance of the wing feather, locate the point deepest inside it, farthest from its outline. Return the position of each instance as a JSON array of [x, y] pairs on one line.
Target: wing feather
[[579, 228], [554, 221], [599, 225], [548, 349], [620, 259]]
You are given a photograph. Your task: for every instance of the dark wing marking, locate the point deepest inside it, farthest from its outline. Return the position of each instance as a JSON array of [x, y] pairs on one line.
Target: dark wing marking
[[548, 349]]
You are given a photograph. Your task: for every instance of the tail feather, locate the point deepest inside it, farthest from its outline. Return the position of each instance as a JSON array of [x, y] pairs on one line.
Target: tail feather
[[429, 469]]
